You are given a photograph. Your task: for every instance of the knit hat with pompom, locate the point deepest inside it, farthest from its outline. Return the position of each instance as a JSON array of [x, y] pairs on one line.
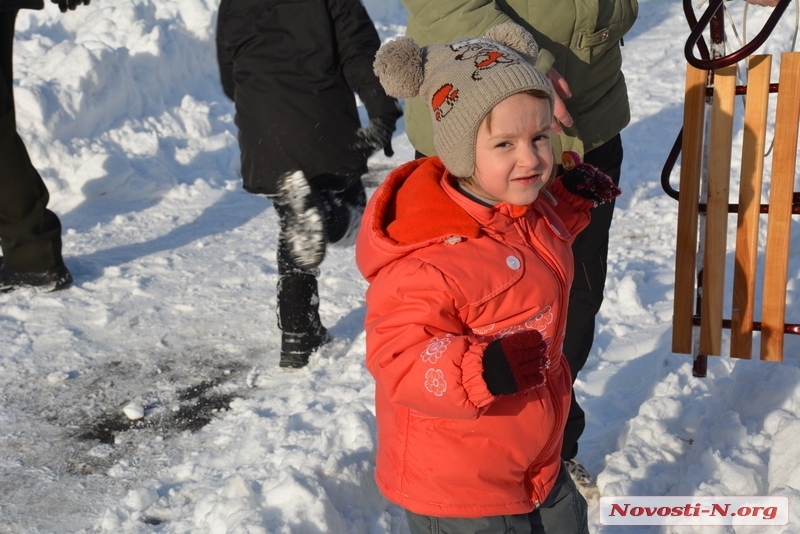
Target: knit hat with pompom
[[461, 82]]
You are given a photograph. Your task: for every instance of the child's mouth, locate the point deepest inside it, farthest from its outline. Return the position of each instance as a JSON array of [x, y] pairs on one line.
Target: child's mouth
[[525, 180]]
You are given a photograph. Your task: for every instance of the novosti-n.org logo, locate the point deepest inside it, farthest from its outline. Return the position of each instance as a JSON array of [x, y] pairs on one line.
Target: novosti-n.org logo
[[702, 511]]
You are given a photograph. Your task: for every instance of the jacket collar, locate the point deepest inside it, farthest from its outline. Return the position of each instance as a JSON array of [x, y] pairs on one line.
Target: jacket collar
[[423, 205]]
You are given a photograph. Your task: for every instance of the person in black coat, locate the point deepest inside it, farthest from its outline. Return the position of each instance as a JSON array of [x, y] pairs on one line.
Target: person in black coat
[[30, 234], [291, 68]]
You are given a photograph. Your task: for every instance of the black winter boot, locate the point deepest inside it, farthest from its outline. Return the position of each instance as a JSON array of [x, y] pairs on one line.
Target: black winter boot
[[298, 318], [55, 279]]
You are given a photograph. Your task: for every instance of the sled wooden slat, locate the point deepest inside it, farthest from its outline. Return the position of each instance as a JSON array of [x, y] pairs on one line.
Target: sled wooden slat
[[719, 171], [776, 261], [688, 208], [753, 144], [704, 198]]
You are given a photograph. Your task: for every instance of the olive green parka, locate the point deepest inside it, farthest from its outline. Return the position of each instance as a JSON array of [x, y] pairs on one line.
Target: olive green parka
[[580, 39]]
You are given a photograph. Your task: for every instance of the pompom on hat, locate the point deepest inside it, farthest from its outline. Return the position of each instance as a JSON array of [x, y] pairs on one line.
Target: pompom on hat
[[461, 82]]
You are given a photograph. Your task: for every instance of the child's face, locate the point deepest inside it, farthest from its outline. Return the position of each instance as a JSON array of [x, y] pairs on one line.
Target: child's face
[[513, 156]]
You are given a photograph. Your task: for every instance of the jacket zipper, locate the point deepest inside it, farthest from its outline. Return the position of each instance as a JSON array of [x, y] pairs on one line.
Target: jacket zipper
[[544, 253]]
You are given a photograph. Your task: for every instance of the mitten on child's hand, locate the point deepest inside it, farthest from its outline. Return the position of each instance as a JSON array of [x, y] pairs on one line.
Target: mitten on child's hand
[[586, 180], [515, 363]]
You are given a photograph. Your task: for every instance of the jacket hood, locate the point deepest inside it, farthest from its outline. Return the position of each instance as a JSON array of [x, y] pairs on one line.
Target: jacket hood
[[417, 206]]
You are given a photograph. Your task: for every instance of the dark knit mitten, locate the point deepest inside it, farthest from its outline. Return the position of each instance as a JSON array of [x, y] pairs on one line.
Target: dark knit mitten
[[375, 136], [515, 363], [586, 180]]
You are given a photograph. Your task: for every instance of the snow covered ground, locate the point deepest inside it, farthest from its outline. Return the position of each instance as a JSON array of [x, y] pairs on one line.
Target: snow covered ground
[[172, 311]]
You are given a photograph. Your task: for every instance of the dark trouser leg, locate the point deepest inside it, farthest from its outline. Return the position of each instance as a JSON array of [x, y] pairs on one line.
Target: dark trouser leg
[[338, 210], [298, 306], [563, 512], [314, 214], [586, 295], [30, 234], [303, 228], [298, 300], [342, 211], [496, 524]]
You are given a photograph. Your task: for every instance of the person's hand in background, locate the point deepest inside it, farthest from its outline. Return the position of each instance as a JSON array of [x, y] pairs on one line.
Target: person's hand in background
[[560, 91]]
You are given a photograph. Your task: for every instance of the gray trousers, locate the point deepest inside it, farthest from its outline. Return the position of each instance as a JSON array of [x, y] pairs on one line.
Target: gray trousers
[[563, 512]]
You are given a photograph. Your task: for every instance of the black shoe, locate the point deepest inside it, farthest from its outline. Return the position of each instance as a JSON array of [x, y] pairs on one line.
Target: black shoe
[[344, 210], [55, 279], [297, 348], [303, 221]]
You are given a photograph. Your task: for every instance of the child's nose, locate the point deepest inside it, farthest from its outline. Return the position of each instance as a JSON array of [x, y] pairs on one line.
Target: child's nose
[[529, 156]]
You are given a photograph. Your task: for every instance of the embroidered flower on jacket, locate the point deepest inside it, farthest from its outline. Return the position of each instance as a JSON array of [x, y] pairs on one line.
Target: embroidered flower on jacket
[[507, 331], [540, 320], [482, 330], [434, 382], [435, 349]]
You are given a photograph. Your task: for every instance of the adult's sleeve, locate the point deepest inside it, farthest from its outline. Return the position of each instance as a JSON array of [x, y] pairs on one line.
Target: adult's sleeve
[[224, 60], [443, 21], [357, 42], [417, 349], [572, 209]]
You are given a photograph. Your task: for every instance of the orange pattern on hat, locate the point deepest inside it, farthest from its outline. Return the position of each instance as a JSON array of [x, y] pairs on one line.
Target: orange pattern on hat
[[443, 100]]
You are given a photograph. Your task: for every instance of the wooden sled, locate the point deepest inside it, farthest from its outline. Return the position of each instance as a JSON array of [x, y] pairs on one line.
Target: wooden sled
[[699, 297]]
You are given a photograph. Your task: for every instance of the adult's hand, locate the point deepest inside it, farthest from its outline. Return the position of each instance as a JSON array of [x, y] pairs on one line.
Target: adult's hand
[[63, 5], [768, 3], [561, 90]]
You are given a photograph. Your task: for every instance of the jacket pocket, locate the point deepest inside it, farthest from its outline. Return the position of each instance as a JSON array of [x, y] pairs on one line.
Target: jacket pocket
[[419, 415], [614, 20], [558, 229]]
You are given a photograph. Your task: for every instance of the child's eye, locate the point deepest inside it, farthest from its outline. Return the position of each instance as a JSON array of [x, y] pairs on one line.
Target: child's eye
[[542, 137], [503, 144]]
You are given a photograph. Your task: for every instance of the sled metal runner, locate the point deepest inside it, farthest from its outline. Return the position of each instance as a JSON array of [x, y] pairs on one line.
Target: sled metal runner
[[705, 146]]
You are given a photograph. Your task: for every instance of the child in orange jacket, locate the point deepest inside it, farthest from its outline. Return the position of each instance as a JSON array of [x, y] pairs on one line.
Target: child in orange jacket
[[469, 263]]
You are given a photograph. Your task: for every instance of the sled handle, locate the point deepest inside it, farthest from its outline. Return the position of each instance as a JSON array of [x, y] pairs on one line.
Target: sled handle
[[696, 36]]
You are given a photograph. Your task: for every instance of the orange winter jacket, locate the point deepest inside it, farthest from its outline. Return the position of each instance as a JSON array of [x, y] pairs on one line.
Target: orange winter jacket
[[447, 276]]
